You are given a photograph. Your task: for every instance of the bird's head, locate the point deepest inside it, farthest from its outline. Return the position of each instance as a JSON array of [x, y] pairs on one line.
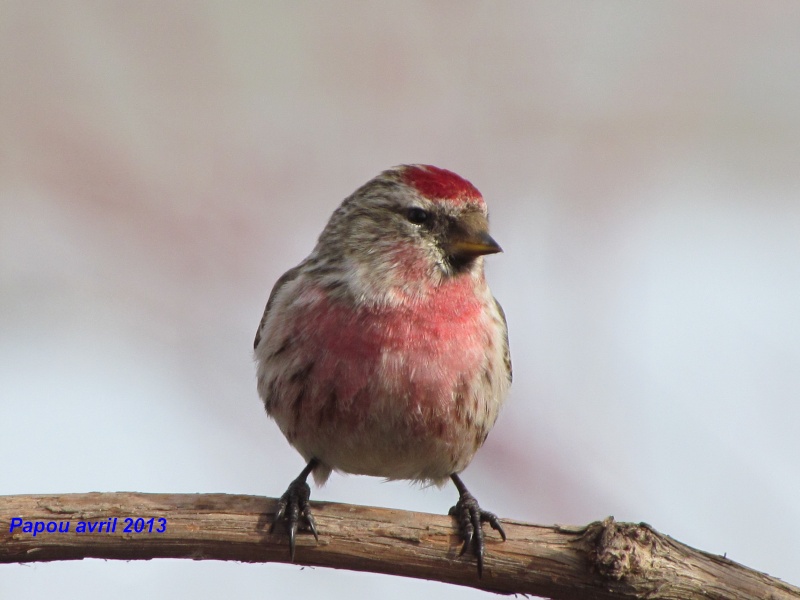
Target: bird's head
[[411, 225]]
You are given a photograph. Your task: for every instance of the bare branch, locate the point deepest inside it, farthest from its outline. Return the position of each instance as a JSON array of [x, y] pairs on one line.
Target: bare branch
[[603, 560]]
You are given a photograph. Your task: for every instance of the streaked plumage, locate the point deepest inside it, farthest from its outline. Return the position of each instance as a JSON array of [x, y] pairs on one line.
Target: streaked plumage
[[384, 353]]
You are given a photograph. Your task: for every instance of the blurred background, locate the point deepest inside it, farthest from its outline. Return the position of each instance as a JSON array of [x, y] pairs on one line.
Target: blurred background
[[163, 163]]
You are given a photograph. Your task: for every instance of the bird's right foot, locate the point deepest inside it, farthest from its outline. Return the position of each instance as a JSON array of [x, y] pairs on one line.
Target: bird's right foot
[[294, 509]]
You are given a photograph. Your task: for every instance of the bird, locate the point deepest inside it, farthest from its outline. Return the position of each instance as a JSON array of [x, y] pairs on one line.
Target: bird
[[384, 352]]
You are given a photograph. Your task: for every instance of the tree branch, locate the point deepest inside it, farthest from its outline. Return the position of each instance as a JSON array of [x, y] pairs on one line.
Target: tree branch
[[603, 560]]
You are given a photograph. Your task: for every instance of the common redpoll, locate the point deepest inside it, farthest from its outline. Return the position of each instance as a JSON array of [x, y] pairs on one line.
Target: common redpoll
[[384, 353]]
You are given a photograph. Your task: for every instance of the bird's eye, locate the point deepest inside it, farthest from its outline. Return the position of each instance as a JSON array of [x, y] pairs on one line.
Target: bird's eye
[[417, 215]]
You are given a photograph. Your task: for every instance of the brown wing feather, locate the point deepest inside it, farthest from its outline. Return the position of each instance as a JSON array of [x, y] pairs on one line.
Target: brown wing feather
[[282, 281], [506, 350]]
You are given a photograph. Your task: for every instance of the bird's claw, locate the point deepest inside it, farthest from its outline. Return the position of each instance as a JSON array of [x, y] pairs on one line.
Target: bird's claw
[[470, 518], [293, 507]]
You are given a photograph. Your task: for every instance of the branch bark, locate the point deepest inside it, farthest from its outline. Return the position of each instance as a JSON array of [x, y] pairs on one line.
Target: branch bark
[[602, 560]]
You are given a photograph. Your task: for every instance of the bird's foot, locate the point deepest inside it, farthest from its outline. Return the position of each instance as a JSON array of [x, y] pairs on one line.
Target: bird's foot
[[294, 509], [470, 518]]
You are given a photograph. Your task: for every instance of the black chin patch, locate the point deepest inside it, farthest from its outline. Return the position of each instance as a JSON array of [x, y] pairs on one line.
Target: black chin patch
[[460, 263]]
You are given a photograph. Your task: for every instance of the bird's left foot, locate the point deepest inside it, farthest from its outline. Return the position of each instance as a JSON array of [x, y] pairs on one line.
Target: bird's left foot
[[470, 518]]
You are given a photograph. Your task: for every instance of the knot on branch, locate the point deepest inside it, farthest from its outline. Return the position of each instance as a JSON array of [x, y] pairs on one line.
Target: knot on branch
[[621, 550]]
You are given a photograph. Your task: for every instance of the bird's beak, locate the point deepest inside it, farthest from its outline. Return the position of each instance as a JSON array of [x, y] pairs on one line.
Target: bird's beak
[[470, 238], [475, 245]]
